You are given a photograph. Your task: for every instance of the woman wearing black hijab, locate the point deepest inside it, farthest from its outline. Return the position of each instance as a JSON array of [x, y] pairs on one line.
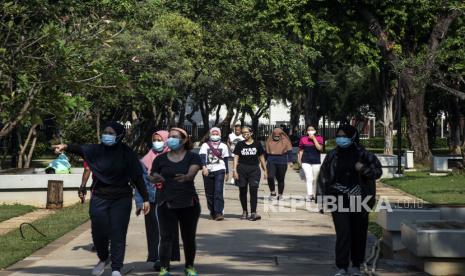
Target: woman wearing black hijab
[[349, 173], [114, 166]]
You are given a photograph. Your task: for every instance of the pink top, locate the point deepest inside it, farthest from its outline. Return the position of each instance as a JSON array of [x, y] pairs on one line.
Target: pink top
[[306, 141]]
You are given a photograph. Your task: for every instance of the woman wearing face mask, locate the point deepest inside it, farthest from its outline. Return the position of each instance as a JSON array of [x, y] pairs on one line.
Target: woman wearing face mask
[[279, 157], [114, 166], [159, 146], [349, 173], [177, 201], [309, 158], [248, 154], [214, 155]]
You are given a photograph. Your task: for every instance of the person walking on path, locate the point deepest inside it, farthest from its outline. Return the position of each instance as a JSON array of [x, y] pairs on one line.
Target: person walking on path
[[115, 166], [173, 173], [214, 156], [248, 154], [233, 138], [278, 158], [159, 146], [309, 158], [349, 174]]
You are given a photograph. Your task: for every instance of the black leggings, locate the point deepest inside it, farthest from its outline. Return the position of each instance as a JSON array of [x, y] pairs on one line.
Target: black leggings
[[277, 171], [249, 176], [253, 198], [168, 220], [153, 237]]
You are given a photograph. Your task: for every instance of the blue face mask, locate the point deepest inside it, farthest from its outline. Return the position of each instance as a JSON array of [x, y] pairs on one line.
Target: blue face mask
[[343, 142], [108, 139], [174, 143], [158, 146]]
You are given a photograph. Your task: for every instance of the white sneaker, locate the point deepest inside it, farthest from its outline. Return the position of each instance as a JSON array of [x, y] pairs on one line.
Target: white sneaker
[[355, 271], [341, 272], [116, 273], [100, 267]]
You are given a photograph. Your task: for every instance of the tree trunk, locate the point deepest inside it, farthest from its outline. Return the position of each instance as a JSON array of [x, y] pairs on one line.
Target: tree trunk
[[21, 151], [54, 194], [27, 105], [388, 123], [388, 103], [97, 125], [417, 123], [23, 159], [205, 112], [224, 125], [31, 150], [311, 112], [217, 118], [296, 111], [170, 114], [182, 114], [455, 129], [236, 118], [413, 86]]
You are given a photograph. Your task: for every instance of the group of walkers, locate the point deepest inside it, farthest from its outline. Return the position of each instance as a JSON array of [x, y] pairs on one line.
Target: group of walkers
[[165, 192]]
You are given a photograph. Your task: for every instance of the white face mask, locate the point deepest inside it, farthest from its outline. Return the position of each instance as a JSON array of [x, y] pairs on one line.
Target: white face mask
[[311, 132]]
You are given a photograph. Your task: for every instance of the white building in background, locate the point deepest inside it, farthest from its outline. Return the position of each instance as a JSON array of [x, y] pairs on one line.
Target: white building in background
[[278, 113]]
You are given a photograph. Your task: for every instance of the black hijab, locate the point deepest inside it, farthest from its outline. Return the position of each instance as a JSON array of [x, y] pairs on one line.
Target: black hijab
[[113, 165], [351, 132], [347, 157]]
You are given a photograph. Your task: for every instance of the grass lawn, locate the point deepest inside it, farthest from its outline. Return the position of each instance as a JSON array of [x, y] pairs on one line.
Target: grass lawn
[[10, 211], [14, 248], [435, 189]]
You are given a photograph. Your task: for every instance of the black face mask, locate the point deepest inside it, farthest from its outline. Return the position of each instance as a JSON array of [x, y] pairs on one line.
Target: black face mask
[[276, 138]]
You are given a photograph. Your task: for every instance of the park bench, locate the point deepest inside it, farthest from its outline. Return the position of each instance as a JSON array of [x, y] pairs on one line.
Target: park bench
[[444, 163]]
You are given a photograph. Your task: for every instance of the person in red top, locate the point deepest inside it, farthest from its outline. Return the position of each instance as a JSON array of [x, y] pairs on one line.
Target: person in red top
[[309, 158], [85, 177]]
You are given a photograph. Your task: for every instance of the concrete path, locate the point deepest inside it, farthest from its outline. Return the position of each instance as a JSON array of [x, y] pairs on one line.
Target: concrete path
[[13, 223], [396, 196], [289, 242]]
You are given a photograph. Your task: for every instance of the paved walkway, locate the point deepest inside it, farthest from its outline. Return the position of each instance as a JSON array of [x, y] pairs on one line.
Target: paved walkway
[[295, 242], [13, 223], [396, 196]]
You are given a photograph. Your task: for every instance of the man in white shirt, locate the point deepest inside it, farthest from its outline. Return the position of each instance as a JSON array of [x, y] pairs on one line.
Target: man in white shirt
[[234, 138]]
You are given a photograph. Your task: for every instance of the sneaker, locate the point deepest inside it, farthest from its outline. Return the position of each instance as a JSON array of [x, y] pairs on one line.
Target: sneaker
[[355, 271], [219, 217], [157, 266], [310, 198], [342, 272], [116, 273], [190, 271], [99, 268], [279, 197], [254, 217], [164, 272], [245, 215]]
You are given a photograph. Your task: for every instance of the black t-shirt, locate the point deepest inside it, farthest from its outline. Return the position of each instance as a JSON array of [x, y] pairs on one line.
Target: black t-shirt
[[174, 193], [249, 154]]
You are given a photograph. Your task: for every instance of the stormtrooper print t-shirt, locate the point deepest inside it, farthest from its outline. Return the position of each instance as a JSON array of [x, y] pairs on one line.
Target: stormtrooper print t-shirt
[[249, 154]]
